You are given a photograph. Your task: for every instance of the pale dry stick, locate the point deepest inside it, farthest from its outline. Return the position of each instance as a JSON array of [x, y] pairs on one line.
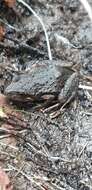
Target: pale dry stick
[[34, 178], [29, 178], [56, 186], [8, 154], [36, 151], [88, 113], [65, 41], [57, 113], [10, 26], [86, 184], [87, 7], [4, 129], [41, 22], [4, 136], [13, 27], [10, 146], [7, 169], [50, 108], [47, 155], [82, 150], [22, 131], [18, 172], [84, 87]]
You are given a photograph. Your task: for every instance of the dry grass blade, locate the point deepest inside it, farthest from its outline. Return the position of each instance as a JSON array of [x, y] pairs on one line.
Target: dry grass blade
[[41, 22]]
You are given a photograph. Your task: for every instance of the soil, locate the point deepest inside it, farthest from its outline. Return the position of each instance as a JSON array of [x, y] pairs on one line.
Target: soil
[[50, 154]]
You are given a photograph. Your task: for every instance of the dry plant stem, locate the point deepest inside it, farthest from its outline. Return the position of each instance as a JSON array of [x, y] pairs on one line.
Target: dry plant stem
[[41, 22], [7, 154], [47, 155], [39, 181], [21, 168], [21, 47], [10, 26], [7, 169], [84, 87], [88, 113], [65, 41], [4, 136], [87, 7], [29, 178], [10, 146], [82, 150], [86, 184], [50, 108], [24, 29]]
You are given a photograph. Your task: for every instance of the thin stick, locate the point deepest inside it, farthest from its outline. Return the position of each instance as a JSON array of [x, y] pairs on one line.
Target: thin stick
[[84, 87], [87, 7], [40, 181], [10, 26], [82, 150], [41, 22], [10, 146], [29, 178]]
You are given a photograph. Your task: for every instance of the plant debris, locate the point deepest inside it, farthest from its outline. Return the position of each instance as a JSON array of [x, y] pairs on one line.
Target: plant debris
[[44, 146]]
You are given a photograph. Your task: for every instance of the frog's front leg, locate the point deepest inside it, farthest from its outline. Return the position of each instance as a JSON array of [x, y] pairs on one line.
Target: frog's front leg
[[68, 93], [70, 89]]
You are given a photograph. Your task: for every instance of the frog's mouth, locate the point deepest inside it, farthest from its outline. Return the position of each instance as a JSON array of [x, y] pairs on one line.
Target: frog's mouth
[[21, 101], [27, 97], [26, 102], [21, 97]]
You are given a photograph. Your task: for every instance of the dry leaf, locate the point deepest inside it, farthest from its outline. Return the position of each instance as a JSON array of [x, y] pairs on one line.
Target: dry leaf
[[3, 103], [3, 100], [2, 114], [10, 3], [4, 181], [2, 32]]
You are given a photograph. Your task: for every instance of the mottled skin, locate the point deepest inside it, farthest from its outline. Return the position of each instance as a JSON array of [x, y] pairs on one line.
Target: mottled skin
[[46, 79]]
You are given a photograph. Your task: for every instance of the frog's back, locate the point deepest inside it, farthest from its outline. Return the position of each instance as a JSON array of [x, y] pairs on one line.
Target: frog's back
[[42, 80]]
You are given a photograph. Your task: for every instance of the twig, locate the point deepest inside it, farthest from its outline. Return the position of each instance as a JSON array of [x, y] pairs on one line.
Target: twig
[[22, 47], [82, 150], [4, 136], [10, 146], [7, 169], [41, 22], [7, 154], [65, 41], [29, 178], [18, 172], [40, 181], [87, 7], [47, 155], [10, 26], [84, 87], [86, 184], [88, 113], [50, 108]]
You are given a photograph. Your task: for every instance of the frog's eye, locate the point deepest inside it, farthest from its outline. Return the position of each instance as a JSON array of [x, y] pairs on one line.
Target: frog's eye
[[50, 78]]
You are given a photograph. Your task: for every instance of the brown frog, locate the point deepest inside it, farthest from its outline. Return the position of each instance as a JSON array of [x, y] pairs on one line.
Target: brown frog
[[51, 81]]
